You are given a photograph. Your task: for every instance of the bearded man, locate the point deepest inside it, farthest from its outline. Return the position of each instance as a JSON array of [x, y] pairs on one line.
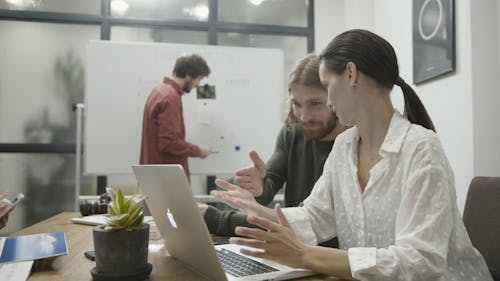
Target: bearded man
[[301, 150]]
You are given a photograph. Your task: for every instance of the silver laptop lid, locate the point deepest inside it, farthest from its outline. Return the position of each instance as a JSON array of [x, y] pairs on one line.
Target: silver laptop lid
[[181, 225], [171, 203]]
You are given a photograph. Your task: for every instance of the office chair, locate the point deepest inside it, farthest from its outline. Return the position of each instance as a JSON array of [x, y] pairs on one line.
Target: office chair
[[482, 220]]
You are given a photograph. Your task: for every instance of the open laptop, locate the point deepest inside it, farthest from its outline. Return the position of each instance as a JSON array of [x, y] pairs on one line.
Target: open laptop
[[186, 236]]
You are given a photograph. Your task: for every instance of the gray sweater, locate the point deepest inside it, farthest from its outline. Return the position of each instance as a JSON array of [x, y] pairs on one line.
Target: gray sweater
[[296, 162]]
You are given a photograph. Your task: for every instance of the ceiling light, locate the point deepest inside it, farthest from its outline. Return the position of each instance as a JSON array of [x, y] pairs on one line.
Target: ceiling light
[[22, 4], [256, 2], [119, 7], [200, 12]]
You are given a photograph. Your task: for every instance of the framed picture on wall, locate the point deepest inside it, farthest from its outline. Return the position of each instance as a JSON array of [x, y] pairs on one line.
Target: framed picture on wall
[[433, 39]]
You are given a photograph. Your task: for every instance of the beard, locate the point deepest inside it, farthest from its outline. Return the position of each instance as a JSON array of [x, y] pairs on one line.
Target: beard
[[188, 86], [322, 128]]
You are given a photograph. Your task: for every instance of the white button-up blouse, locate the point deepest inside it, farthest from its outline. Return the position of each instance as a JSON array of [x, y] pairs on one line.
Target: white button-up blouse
[[406, 224]]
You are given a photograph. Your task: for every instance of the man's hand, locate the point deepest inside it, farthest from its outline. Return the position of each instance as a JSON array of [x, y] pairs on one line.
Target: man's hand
[[204, 151], [252, 177]]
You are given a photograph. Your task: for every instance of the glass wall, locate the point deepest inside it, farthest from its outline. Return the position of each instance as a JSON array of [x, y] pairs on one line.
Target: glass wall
[[67, 6], [48, 182], [173, 9], [42, 75]]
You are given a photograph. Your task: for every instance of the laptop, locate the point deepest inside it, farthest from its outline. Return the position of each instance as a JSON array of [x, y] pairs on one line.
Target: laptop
[[186, 236]]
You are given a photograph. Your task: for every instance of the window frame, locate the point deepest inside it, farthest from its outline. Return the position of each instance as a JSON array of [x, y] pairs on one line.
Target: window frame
[[212, 26]]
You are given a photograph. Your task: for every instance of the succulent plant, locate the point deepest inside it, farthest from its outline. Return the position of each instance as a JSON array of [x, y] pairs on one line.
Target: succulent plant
[[124, 213]]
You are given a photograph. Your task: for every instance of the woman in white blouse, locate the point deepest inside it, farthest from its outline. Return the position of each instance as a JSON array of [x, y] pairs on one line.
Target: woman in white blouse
[[387, 189]]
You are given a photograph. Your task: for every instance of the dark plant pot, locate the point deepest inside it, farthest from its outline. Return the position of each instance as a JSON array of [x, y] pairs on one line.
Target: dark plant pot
[[121, 254]]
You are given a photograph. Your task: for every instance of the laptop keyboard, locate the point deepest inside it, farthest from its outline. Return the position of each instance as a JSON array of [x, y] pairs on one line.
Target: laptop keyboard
[[239, 265]]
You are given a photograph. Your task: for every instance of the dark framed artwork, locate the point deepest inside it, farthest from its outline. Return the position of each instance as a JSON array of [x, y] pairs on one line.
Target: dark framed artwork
[[433, 39]]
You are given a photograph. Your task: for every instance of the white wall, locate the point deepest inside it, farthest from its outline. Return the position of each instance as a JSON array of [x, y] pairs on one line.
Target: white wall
[[332, 17], [328, 21], [485, 87], [448, 99], [358, 14], [462, 105]]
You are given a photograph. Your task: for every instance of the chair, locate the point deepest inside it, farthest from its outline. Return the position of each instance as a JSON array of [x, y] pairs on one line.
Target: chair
[[482, 220]]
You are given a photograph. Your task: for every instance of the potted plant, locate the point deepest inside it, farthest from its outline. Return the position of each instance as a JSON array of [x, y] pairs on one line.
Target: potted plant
[[121, 245]]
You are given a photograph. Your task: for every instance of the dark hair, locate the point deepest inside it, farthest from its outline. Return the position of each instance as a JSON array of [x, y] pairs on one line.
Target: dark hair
[[375, 57], [305, 72], [192, 65]]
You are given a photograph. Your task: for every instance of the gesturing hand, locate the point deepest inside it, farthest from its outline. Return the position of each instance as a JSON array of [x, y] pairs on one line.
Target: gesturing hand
[[277, 242], [5, 218], [202, 208], [252, 178], [236, 197], [204, 151]]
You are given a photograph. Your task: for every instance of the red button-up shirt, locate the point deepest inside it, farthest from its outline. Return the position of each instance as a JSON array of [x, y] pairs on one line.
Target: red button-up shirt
[[163, 131]]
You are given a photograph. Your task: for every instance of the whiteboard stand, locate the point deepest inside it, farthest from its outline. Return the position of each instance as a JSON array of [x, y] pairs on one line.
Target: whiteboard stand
[[78, 169], [210, 183]]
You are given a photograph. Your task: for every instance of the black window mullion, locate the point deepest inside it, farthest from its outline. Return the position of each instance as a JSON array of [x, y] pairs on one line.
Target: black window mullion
[[52, 17], [212, 22], [105, 14], [310, 26], [262, 29], [170, 24], [68, 148]]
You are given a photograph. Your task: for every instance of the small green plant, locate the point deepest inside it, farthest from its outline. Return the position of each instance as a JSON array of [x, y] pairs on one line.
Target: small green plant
[[124, 213]]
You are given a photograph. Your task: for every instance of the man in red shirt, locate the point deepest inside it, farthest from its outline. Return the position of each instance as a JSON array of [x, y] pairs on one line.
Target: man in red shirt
[[163, 131]]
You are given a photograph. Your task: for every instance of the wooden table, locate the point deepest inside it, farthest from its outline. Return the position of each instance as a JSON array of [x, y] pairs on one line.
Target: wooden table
[[76, 267]]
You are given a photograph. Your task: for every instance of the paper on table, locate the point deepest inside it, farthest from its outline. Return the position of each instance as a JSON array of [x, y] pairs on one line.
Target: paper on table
[[99, 219], [90, 220], [18, 271]]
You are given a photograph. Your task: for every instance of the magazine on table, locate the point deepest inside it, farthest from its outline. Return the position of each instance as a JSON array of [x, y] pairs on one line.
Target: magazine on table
[[32, 247]]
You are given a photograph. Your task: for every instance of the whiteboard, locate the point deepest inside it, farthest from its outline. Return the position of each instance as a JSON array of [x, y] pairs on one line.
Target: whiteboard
[[245, 115]]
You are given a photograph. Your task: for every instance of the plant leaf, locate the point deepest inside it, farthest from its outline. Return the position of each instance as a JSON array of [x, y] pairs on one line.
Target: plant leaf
[[124, 213]]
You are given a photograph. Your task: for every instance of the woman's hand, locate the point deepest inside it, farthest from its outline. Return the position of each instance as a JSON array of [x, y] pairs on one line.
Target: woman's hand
[[5, 218], [3, 206], [277, 242]]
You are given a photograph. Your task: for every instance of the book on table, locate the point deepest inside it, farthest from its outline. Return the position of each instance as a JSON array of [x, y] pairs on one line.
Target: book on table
[[32, 247]]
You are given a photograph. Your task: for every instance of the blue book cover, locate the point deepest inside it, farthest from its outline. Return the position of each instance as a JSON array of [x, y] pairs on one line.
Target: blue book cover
[[33, 247]]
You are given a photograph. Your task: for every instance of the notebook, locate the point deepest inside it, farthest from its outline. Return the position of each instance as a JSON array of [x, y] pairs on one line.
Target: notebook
[[32, 247], [186, 236]]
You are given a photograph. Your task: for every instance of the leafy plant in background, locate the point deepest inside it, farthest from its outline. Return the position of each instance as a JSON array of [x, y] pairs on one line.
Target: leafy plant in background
[[124, 213]]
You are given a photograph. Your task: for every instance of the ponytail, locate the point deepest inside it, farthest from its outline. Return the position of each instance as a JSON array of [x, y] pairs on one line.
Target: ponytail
[[375, 57], [414, 109]]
